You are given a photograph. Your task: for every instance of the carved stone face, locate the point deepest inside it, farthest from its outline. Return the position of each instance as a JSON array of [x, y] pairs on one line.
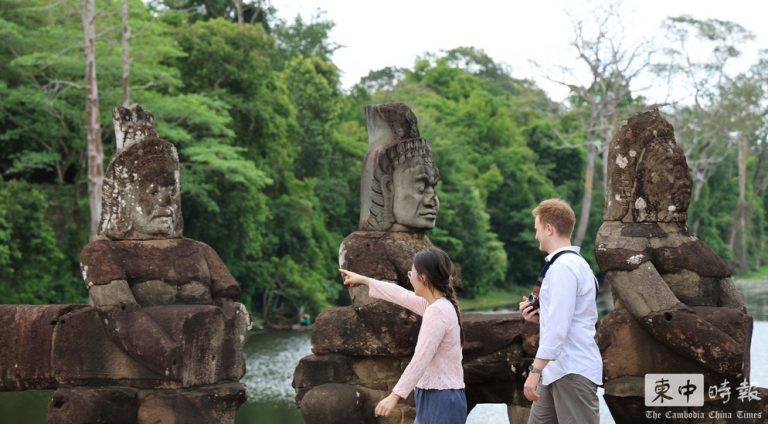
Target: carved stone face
[[415, 202], [157, 207], [663, 186], [141, 194]]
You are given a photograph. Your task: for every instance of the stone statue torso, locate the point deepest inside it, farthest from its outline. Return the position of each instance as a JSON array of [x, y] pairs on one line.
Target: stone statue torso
[[160, 272]]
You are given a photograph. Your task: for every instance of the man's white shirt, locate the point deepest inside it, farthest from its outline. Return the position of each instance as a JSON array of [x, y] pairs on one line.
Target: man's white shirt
[[567, 318]]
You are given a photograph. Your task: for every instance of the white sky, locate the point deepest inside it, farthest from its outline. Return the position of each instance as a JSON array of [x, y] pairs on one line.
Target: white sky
[[377, 34]]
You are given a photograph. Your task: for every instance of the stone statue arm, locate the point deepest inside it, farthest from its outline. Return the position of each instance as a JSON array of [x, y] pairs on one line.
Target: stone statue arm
[[223, 285], [646, 295], [730, 296], [225, 289], [133, 329], [121, 314], [702, 260]]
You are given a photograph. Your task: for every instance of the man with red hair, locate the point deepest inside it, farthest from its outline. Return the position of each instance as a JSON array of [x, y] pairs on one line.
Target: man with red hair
[[562, 381]]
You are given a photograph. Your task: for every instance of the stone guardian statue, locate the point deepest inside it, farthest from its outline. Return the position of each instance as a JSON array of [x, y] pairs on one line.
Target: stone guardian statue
[[398, 199], [676, 308]]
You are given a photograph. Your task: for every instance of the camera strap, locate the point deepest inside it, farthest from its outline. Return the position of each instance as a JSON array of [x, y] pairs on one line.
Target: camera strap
[[547, 264]]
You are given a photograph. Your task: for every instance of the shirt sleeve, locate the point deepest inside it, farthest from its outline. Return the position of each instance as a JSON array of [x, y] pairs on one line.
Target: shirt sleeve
[[393, 293], [558, 302], [433, 328]]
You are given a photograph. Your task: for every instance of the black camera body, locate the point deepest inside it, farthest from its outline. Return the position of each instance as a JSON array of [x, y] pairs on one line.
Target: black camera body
[[533, 300]]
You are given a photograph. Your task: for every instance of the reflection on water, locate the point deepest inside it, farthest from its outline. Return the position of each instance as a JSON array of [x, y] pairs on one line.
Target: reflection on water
[[756, 295], [271, 358]]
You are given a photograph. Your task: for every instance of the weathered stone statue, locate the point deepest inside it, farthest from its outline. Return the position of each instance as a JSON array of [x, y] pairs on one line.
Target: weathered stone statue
[[141, 258], [360, 351], [164, 339], [398, 199], [676, 308]]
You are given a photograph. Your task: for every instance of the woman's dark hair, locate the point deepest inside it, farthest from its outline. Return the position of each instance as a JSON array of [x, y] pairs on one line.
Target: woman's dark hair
[[442, 275]]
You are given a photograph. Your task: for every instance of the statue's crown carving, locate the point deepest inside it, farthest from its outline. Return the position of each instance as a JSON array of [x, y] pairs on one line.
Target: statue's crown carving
[[142, 157], [132, 125], [405, 150]]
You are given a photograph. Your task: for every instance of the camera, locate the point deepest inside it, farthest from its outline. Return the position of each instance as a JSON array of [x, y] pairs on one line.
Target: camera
[[533, 300]]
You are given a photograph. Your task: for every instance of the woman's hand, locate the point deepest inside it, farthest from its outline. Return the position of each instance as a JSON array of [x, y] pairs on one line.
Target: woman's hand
[[386, 405], [530, 313], [352, 279]]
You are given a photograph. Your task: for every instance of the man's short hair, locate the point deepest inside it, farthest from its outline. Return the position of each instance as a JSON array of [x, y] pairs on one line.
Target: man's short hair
[[557, 213]]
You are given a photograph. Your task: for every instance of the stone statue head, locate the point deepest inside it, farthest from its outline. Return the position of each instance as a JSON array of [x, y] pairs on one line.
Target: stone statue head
[[648, 179], [132, 125], [399, 183], [663, 187], [141, 193]]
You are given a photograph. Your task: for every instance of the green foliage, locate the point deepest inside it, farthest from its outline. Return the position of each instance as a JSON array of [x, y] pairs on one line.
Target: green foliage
[[285, 140], [713, 212], [479, 123], [316, 97], [254, 11], [300, 39], [477, 251], [33, 269], [326, 154], [760, 274], [561, 164], [304, 242], [384, 79], [232, 64], [271, 147]]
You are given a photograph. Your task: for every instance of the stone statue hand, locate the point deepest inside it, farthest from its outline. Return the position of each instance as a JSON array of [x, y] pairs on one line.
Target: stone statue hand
[[386, 405], [352, 279]]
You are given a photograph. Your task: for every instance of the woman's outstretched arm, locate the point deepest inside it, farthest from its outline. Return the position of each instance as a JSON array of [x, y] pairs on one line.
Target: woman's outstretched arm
[[387, 291]]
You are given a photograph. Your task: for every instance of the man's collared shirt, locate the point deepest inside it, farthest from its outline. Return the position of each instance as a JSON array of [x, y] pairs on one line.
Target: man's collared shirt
[[567, 319]]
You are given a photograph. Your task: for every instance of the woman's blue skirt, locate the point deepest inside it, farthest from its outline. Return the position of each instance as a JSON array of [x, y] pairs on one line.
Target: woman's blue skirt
[[440, 406]]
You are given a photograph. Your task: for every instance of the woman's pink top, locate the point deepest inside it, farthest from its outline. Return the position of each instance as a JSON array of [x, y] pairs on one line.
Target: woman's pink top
[[436, 362]]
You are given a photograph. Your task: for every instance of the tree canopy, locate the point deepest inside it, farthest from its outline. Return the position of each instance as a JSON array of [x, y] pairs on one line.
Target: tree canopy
[[271, 146]]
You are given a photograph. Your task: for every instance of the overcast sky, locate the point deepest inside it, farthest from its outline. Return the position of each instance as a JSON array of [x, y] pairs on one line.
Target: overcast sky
[[377, 34]]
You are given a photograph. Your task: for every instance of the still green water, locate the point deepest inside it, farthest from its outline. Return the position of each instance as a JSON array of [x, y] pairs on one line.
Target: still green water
[[272, 357]]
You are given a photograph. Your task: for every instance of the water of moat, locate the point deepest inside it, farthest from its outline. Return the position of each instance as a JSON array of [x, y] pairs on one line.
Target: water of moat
[[272, 357]]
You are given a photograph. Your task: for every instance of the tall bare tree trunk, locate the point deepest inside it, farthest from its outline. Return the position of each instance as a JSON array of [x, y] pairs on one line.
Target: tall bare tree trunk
[[92, 125], [698, 185], [239, 7], [586, 200], [738, 237], [126, 57], [759, 188], [610, 130]]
